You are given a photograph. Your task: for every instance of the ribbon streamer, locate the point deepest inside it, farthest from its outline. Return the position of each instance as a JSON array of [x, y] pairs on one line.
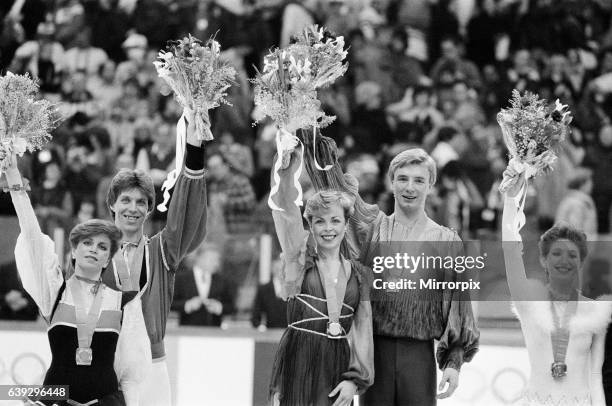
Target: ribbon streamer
[[314, 151], [527, 171], [181, 139], [285, 142]]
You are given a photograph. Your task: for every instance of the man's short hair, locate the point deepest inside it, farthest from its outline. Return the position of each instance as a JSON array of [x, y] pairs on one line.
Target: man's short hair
[[127, 179], [413, 156]]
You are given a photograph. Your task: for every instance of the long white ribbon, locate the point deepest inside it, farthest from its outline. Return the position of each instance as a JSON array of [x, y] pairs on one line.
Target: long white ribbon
[[181, 139], [314, 151], [527, 171], [285, 142], [520, 220]]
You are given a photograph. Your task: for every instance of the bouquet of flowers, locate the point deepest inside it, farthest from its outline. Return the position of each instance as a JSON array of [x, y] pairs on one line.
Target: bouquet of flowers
[[286, 89], [197, 76], [532, 131], [326, 54], [199, 80], [25, 123]]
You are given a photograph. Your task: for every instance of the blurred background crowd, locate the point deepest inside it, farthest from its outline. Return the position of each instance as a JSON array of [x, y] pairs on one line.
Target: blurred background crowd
[[428, 73]]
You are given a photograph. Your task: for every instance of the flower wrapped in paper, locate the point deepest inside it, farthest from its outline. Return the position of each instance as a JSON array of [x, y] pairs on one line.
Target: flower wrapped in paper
[[197, 76], [532, 131], [199, 79], [286, 90], [25, 121]]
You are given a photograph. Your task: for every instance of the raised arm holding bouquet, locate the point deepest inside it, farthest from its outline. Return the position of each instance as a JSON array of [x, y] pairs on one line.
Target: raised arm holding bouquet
[[25, 122], [199, 79], [286, 91], [531, 132]]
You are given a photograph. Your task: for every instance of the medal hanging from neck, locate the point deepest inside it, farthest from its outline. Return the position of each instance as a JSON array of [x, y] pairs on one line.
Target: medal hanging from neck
[[128, 271], [86, 321], [559, 338], [333, 291]]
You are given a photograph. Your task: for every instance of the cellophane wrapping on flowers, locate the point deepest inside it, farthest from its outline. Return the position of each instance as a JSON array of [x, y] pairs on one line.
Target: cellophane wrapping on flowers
[[25, 121], [286, 88], [532, 131], [197, 76]]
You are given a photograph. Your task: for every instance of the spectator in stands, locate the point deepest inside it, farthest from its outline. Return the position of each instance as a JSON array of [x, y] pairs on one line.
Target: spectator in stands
[[415, 115], [369, 130], [552, 186], [340, 16], [109, 23], [124, 161], [15, 302], [202, 294], [523, 75], [236, 119], [468, 113], [83, 56], [406, 71], [69, 19], [450, 146], [52, 200], [599, 159], [136, 65], [367, 172], [269, 309], [233, 189], [75, 96], [335, 102], [452, 65], [460, 201], [483, 31], [42, 58], [83, 173], [105, 88], [158, 159], [297, 16], [131, 104], [87, 211], [577, 207]]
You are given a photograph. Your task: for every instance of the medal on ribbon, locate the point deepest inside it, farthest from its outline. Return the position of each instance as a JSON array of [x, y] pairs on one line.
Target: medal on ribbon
[[86, 321], [559, 338], [334, 329], [334, 296], [84, 356], [558, 369]]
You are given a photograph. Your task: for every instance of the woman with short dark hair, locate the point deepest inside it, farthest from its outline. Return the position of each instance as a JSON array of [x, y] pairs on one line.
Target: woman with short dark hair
[[98, 339]]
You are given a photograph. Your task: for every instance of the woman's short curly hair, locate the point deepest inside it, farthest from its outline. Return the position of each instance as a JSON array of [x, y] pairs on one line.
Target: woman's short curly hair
[[563, 231], [93, 227], [324, 199]]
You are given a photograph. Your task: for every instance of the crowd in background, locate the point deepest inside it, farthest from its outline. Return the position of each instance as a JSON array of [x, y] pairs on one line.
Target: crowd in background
[[428, 73]]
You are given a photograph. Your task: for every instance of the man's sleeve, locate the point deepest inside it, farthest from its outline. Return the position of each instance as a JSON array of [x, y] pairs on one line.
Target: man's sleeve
[[186, 225], [460, 340]]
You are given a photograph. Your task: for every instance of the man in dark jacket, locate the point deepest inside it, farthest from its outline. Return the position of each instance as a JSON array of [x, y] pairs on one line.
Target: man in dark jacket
[[202, 294], [15, 303], [269, 309]]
